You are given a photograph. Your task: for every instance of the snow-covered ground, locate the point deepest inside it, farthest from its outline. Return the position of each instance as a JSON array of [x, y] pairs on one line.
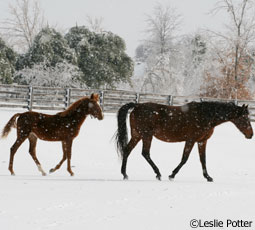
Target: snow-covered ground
[[97, 197]]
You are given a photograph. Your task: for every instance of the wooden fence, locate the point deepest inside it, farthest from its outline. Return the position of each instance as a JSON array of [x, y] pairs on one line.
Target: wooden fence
[[46, 98]]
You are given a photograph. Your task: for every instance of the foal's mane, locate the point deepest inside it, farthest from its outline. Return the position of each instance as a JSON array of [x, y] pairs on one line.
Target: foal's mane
[[73, 106]]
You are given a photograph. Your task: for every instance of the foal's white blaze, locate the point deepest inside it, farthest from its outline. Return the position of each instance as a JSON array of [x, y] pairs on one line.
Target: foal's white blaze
[[91, 105]]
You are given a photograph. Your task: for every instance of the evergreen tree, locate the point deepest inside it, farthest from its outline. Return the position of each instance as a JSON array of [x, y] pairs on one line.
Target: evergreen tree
[[101, 57], [7, 63], [48, 46]]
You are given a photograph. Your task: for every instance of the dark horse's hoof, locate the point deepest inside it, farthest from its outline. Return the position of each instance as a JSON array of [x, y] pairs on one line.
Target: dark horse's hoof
[[158, 177], [171, 177], [209, 179], [125, 177]]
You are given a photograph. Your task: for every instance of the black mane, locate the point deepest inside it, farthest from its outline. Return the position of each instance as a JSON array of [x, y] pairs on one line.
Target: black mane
[[212, 110]]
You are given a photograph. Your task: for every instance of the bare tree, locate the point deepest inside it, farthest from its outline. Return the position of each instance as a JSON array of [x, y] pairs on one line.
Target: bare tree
[[95, 24], [162, 26], [25, 21], [234, 43], [158, 48]]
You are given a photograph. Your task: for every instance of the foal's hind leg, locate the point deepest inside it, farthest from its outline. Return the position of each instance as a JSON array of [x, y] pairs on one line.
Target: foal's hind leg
[[14, 148], [186, 152], [32, 150], [62, 161], [130, 146], [202, 155], [146, 155]]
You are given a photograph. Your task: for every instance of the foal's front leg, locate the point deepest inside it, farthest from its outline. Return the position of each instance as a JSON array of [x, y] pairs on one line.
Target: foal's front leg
[[62, 160], [67, 149]]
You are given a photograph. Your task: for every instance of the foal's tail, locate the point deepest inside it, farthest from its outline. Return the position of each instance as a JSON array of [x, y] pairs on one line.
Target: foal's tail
[[121, 134], [11, 123]]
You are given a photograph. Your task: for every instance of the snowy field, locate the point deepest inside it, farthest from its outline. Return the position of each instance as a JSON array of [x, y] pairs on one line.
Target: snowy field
[[97, 197]]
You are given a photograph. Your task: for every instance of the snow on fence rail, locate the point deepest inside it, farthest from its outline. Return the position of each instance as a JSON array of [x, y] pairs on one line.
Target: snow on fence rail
[[47, 98]]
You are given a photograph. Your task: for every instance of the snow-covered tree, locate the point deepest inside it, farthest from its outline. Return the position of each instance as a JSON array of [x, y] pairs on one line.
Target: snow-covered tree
[[7, 63], [63, 74], [158, 51], [49, 46], [179, 72], [101, 57], [162, 26]]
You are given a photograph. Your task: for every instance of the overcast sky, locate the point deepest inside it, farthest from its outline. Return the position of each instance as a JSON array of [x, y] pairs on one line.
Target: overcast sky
[[123, 17]]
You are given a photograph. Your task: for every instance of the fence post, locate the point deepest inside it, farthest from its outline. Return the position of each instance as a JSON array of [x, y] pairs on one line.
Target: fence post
[[30, 98], [101, 99], [137, 97], [170, 100], [67, 97]]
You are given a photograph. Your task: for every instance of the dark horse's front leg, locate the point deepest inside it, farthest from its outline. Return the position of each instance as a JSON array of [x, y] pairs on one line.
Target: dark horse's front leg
[[202, 155], [186, 152]]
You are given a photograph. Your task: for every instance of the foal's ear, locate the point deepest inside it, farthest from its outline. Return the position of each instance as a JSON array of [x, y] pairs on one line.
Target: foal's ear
[[94, 97]]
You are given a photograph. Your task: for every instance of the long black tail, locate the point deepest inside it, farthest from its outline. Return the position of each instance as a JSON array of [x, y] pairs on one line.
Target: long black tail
[[121, 134]]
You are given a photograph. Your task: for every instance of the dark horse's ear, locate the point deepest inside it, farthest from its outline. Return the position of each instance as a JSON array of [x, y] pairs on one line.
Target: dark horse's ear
[[245, 109], [94, 97]]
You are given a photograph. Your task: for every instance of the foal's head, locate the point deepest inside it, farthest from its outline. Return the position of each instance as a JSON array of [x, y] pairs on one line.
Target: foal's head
[[94, 108], [242, 121]]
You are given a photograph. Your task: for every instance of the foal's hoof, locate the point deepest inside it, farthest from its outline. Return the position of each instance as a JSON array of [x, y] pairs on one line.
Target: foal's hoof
[[52, 170], [44, 174]]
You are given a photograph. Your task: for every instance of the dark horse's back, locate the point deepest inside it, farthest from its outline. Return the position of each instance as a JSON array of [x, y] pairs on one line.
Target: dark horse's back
[[169, 123]]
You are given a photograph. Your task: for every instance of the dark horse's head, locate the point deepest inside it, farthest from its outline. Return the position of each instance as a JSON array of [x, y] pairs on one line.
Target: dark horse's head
[[94, 108], [242, 121]]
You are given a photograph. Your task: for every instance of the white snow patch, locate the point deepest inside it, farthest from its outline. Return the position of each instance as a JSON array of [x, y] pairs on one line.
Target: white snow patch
[[97, 197]]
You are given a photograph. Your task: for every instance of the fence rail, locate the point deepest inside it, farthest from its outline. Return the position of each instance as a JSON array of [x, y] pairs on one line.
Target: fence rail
[[46, 98]]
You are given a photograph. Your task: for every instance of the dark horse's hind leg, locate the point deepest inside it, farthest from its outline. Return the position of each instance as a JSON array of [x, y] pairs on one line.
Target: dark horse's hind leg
[[130, 146], [186, 152], [146, 155], [201, 149], [14, 148], [32, 150]]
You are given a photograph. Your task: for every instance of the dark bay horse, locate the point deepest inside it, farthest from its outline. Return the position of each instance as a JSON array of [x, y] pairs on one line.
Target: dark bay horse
[[192, 122], [63, 126]]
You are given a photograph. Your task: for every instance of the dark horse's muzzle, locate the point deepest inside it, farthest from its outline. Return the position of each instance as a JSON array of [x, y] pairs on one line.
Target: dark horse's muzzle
[[249, 136]]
